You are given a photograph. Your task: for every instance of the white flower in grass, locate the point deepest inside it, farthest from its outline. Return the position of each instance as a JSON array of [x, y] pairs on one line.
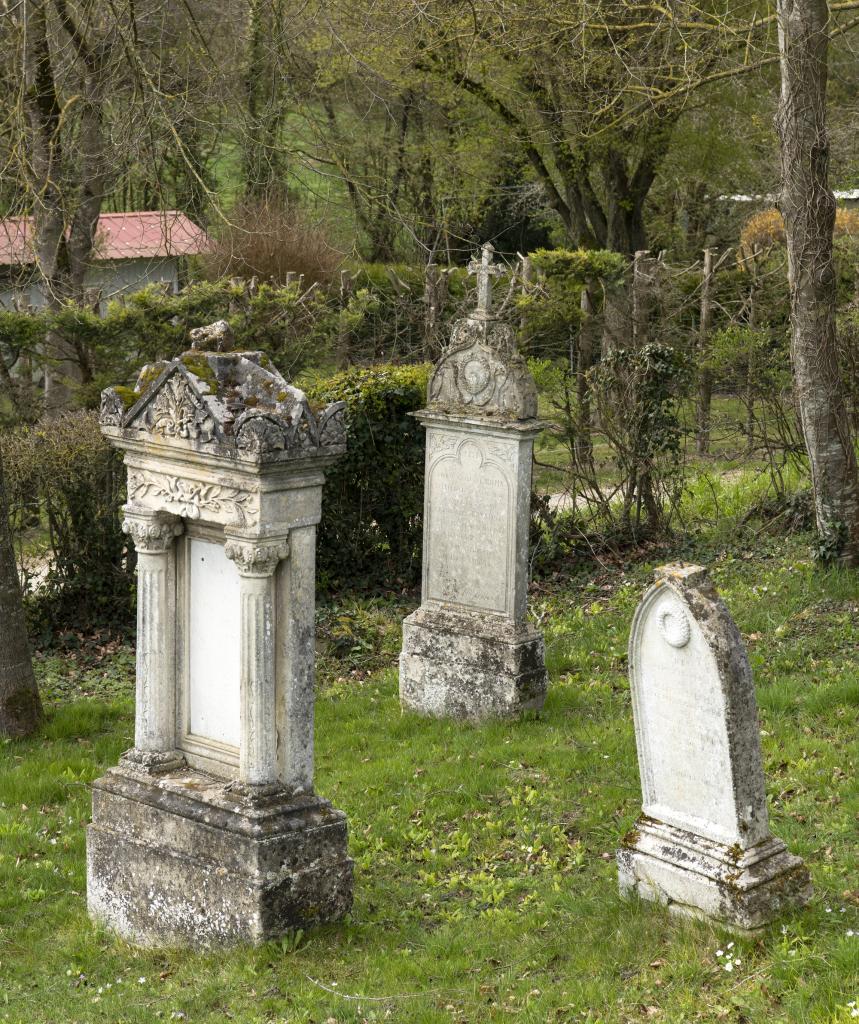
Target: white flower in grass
[[141, 981], [728, 966]]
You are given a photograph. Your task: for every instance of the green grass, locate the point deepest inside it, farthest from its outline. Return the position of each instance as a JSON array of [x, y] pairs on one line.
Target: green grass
[[485, 887]]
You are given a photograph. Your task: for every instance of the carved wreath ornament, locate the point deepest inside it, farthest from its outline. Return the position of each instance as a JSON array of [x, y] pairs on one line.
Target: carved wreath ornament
[[190, 498], [673, 623]]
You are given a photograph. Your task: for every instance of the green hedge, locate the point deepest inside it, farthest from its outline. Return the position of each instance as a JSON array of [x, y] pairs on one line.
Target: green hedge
[[66, 487], [371, 530]]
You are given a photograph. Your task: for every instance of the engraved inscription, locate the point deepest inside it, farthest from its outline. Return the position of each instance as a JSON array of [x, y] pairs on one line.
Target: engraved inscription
[[469, 523]]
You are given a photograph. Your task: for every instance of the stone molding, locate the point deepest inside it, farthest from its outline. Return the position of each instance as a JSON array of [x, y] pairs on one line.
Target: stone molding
[[152, 762], [151, 534], [256, 559], [233, 403]]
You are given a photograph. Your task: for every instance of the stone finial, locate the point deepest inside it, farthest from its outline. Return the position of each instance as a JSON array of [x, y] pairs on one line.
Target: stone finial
[[485, 270], [702, 845], [216, 337], [481, 373]]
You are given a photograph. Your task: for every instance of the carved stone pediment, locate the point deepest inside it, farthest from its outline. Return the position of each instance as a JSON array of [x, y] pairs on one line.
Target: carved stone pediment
[[481, 373], [224, 403], [173, 407]]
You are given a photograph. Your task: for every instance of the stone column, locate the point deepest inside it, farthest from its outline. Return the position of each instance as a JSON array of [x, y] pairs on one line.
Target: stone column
[[297, 670], [257, 563], [153, 535]]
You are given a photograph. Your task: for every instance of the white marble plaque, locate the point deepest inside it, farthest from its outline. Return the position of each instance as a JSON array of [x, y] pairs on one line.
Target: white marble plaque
[[469, 523], [681, 724], [213, 644]]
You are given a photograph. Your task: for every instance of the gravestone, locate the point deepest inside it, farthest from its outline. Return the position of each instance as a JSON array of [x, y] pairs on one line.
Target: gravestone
[[209, 831], [702, 844], [468, 651]]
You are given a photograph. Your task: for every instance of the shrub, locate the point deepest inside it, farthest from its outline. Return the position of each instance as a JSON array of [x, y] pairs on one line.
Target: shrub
[[269, 239], [293, 329], [63, 475], [371, 530]]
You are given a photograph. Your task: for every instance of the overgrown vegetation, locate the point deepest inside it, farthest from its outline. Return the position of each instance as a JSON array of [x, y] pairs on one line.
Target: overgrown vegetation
[[66, 487], [485, 883], [371, 530]]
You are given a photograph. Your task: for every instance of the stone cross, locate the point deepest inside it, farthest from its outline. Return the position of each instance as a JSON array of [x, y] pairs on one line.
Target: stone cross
[[702, 844], [484, 269]]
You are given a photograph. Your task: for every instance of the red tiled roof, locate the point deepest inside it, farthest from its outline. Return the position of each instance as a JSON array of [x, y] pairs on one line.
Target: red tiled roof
[[119, 236]]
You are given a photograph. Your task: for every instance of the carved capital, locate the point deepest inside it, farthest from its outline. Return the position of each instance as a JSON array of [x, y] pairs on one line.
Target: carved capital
[[151, 535], [256, 558]]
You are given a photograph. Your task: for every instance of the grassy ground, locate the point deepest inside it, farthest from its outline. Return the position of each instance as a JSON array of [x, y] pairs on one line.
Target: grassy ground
[[485, 888]]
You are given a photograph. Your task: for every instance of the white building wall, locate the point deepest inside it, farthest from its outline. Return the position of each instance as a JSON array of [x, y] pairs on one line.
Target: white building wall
[[111, 278]]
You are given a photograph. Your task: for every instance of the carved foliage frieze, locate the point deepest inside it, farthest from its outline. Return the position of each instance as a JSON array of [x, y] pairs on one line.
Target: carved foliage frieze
[[194, 499]]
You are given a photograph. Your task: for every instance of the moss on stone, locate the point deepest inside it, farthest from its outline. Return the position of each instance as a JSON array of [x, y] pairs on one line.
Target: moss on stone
[[149, 375], [128, 396], [200, 367]]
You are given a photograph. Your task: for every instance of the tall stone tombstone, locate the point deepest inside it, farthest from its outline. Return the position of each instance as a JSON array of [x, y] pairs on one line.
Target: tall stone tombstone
[[209, 831], [702, 844], [468, 651]]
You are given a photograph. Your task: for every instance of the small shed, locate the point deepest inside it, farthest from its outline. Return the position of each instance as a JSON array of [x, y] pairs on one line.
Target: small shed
[[132, 250]]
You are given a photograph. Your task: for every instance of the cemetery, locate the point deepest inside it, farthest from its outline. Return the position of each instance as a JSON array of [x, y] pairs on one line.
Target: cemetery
[[429, 590]]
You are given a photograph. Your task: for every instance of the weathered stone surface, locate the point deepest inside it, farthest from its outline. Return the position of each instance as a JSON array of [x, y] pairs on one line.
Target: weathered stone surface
[[453, 666], [233, 404], [180, 860], [467, 652], [702, 844], [225, 472], [481, 371]]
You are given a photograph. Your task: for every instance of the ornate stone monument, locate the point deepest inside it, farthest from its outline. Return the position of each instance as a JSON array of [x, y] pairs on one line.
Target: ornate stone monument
[[468, 651], [209, 830], [702, 844]]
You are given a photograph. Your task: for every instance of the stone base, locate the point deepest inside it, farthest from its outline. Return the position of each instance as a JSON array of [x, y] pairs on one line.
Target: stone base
[[182, 859], [743, 890], [454, 667]]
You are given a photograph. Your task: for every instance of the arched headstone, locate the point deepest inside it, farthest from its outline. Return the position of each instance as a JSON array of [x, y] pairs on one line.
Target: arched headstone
[[702, 844]]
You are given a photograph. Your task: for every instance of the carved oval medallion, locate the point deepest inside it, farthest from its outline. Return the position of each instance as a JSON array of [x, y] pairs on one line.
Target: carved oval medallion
[[475, 375], [674, 626]]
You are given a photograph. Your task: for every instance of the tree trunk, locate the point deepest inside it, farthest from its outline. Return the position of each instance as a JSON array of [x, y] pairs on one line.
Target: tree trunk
[[586, 361], [808, 206], [705, 374], [20, 707]]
